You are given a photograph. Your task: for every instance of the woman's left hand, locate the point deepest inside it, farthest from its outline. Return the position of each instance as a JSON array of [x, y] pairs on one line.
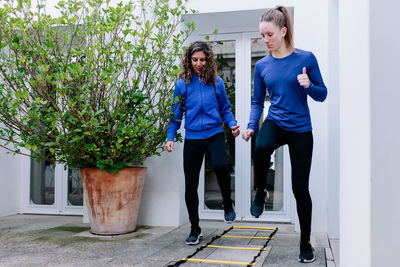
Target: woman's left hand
[[235, 131], [303, 78]]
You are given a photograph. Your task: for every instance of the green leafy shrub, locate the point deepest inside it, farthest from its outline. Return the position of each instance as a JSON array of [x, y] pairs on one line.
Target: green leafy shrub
[[91, 87]]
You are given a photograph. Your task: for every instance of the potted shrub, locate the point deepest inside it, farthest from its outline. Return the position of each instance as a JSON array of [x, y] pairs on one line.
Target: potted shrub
[[91, 88]]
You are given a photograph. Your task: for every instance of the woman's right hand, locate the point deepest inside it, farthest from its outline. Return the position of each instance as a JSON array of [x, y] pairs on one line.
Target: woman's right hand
[[169, 146], [246, 134]]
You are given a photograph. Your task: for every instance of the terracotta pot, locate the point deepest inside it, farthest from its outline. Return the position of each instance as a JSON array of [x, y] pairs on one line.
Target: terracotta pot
[[113, 200]]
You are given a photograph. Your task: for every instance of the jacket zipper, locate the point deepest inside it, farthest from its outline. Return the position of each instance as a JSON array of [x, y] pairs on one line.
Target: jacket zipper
[[202, 108]]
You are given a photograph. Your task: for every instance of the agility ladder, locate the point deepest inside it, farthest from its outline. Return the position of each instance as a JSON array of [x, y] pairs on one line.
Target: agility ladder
[[224, 235]]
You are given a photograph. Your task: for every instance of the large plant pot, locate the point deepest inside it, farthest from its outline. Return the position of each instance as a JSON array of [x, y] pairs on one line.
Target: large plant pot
[[113, 200]]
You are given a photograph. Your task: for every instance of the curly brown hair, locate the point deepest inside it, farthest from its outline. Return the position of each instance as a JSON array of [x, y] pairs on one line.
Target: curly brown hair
[[209, 72]]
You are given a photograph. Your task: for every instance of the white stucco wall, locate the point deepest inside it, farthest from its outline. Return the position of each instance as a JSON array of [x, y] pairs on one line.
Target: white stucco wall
[[370, 132], [333, 136], [10, 176], [385, 131], [163, 201], [355, 133]]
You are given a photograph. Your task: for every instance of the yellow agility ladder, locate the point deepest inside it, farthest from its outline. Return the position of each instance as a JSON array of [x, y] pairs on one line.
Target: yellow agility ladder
[[223, 235]]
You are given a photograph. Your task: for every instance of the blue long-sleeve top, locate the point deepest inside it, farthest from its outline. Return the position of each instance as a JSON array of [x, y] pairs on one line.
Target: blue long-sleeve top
[[289, 108], [202, 112]]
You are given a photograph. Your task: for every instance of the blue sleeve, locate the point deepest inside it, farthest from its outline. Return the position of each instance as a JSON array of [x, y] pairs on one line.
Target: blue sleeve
[[257, 102], [176, 113], [317, 89], [225, 106]]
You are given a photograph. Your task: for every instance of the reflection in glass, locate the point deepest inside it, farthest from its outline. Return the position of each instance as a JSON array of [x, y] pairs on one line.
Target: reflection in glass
[[274, 181], [224, 52], [42, 182], [75, 189]]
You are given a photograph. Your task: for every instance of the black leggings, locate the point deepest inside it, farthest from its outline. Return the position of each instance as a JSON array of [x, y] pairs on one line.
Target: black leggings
[[193, 153], [300, 145]]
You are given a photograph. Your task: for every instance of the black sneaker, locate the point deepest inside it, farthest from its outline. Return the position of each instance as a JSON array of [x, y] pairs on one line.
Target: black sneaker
[[230, 215], [257, 206], [306, 253], [194, 237]]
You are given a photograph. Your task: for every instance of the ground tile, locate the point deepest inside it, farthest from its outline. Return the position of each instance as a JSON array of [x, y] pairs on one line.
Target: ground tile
[[288, 257]]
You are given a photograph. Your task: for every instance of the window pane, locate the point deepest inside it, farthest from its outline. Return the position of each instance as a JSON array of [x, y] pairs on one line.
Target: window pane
[[75, 189], [224, 52], [42, 182]]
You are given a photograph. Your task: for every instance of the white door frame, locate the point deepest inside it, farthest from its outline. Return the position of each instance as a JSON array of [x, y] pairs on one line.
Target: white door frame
[[242, 148], [60, 205]]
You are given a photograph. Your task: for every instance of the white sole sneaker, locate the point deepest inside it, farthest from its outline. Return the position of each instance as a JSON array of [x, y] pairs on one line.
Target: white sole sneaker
[[229, 222], [199, 237], [306, 261]]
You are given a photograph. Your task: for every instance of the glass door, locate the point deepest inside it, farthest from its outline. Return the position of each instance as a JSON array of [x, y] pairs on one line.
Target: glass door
[[49, 189], [224, 52], [236, 55]]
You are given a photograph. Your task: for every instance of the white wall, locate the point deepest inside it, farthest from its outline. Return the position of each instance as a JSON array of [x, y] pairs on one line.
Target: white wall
[[370, 131], [385, 131], [333, 121], [310, 33], [10, 176], [355, 134], [163, 201]]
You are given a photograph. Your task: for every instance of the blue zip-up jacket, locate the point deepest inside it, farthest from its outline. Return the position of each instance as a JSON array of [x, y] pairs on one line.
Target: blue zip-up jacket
[[289, 108], [202, 112]]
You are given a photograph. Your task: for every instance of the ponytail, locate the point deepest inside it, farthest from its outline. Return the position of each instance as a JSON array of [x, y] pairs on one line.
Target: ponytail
[[281, 17]]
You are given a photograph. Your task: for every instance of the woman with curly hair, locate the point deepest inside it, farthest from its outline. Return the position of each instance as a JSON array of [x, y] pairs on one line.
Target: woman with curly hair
[[289, 75], [200, 94]]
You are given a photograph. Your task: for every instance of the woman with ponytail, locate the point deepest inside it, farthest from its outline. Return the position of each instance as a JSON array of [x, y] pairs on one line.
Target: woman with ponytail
[[289, 75]]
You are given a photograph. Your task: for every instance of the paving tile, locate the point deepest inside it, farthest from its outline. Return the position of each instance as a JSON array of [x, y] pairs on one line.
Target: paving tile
[[175, 252], [335, 245], [279, 239], [288, 257], [233, 255], [329, 258], [320, 240]]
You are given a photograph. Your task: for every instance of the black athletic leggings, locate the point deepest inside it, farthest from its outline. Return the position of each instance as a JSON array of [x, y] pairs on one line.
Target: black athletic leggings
[[193, 153], [300, 145]]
